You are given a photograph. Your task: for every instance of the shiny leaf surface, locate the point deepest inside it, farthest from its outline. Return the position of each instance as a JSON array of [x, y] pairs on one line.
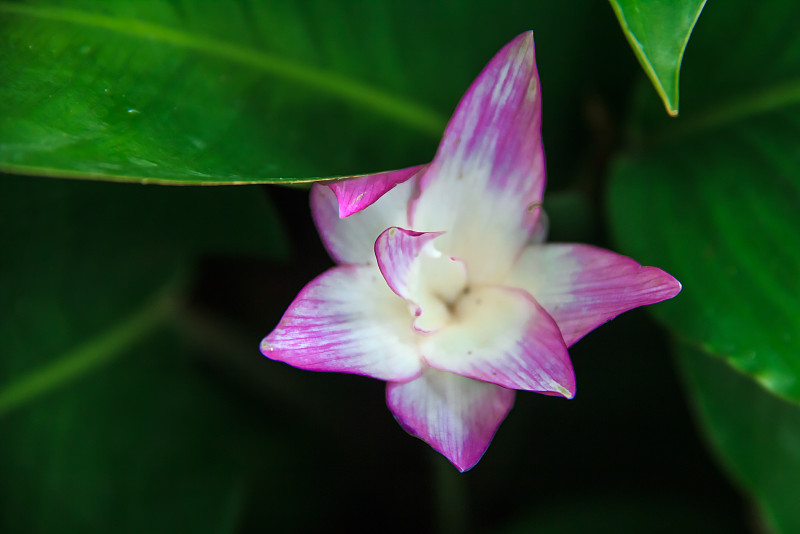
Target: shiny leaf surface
[[658, 32], [247, 91]]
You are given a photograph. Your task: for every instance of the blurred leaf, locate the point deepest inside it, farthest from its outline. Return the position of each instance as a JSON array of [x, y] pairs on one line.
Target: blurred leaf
[[85, 256], [713, 198], [143, 446], [658, 31], [89, 439], [756, 434], [255, 91]]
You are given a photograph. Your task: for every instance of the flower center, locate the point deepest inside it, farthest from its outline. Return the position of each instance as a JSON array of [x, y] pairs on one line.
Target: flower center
[[441, 283]]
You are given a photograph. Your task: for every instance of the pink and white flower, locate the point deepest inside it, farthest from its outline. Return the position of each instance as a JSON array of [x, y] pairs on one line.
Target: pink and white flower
[[444, 287]]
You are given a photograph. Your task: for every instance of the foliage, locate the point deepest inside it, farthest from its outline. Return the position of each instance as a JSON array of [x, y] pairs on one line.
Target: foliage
[[713, 198]]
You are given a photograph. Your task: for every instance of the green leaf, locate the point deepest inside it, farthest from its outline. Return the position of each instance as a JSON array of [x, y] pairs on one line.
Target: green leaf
[[103, 417], [755, 434], [224, 93], [713, 197], [658, 31], [256, 91]]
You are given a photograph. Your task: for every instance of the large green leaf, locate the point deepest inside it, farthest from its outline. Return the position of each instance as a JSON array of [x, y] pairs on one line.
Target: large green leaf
[[103, 420], [251, 91], [223, 92], [658, 31], [756, 434], [714, 198]]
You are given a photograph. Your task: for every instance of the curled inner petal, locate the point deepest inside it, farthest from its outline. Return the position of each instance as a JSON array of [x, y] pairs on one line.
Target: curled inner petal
[[415, 270]]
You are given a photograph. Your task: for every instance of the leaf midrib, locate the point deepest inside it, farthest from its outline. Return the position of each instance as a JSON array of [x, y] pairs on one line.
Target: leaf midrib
[[394, 107]]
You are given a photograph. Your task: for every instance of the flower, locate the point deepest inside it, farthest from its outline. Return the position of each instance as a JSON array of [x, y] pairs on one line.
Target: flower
[[444, 287]]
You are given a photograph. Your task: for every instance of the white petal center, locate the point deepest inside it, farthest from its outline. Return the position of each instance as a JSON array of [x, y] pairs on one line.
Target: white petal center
[[482, 317], [435, 288]]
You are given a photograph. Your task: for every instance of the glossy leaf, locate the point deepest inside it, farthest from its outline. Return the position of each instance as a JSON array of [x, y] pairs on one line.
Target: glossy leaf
[[246, 91], [658, 32], [756, 434], [104, 421], [713, 198], [217, 93]]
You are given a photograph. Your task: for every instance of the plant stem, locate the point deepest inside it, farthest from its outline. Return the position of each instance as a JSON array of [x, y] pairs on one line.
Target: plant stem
[[451, 497]]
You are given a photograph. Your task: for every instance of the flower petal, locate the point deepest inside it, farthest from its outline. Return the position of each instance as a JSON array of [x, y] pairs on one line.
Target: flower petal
[[399, 252], [352, 240], [485, 185], [355, 194], [457, 416], [582, 287], [347, 320], [502, 335]]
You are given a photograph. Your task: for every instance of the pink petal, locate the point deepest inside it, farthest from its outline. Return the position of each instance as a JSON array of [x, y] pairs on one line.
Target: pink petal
[[352, 240], [457, 416], [398, 253], [488, 176], [582, 287], [355, 194], [502, 335], [347, 320]]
